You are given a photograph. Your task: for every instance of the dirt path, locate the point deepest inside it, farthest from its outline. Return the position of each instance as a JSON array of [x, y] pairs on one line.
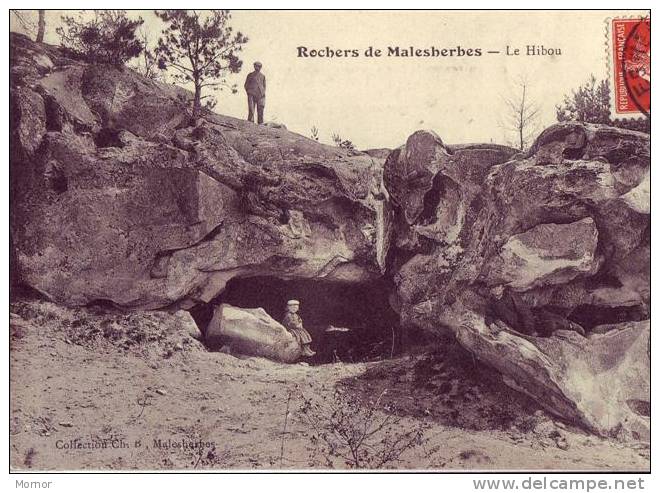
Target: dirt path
[[63, 393]]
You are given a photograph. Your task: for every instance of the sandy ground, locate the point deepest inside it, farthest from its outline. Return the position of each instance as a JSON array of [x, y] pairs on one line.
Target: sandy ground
[[65, 393]]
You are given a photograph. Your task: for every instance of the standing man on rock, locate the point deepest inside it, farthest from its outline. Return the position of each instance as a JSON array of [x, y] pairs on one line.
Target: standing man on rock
[[255, 86]]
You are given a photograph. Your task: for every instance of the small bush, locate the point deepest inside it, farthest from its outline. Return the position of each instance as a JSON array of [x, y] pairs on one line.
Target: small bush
[[342, 143], [362, 433]]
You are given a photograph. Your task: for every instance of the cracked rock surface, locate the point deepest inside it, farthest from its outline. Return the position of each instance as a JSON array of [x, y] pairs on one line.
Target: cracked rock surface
[[117, 198], [538, 263]]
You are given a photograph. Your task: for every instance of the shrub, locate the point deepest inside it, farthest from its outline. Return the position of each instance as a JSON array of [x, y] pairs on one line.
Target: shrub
[[361, 433], [343, 143]]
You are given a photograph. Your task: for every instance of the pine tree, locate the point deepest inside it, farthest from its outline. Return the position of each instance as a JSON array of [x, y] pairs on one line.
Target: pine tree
[[201, 48], [109, 37], [590, 103]]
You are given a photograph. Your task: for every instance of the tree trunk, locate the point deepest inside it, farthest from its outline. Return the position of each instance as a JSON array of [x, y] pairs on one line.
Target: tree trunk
[[197, 103], [42, 26]]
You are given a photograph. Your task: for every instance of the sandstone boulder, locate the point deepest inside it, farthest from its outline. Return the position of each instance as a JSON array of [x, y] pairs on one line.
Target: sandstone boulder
[[126, 202], [426, 170], [251, 331], [29, 118], [546, 254], [491, 210], [521, 256], [601, 381]]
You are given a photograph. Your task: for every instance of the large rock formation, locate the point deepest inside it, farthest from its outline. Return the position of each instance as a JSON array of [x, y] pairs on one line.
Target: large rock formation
[[537, 262], [527, 262], [116, 197]]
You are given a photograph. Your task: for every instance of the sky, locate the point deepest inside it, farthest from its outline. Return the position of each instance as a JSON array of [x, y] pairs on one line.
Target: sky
[[379, 101]]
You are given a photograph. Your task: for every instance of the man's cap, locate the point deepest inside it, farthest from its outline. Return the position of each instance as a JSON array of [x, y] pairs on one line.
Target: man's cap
[[293, 302], [257, 64]]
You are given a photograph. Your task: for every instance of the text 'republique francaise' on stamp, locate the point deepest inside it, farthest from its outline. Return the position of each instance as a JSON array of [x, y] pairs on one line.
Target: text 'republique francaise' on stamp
[[629, 56]]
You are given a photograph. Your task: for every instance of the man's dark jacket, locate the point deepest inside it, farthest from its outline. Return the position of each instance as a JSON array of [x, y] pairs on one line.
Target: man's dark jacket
[[255, 84]]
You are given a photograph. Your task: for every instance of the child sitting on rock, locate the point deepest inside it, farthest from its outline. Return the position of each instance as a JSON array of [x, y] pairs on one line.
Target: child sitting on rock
[[293, 324]]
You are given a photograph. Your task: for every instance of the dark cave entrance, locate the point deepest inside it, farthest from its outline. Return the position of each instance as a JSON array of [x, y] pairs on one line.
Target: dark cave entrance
[[361, 307], [590, 316]]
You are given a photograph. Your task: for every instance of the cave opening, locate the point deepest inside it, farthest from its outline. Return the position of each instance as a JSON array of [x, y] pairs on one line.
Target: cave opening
[[592, 316], [108, 137], [363, 308]]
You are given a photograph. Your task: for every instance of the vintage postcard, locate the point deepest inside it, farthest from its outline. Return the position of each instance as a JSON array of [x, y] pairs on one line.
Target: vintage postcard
[[330, 240]]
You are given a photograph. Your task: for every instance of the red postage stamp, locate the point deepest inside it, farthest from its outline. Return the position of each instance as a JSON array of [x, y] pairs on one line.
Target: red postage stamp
[[629, 49]]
